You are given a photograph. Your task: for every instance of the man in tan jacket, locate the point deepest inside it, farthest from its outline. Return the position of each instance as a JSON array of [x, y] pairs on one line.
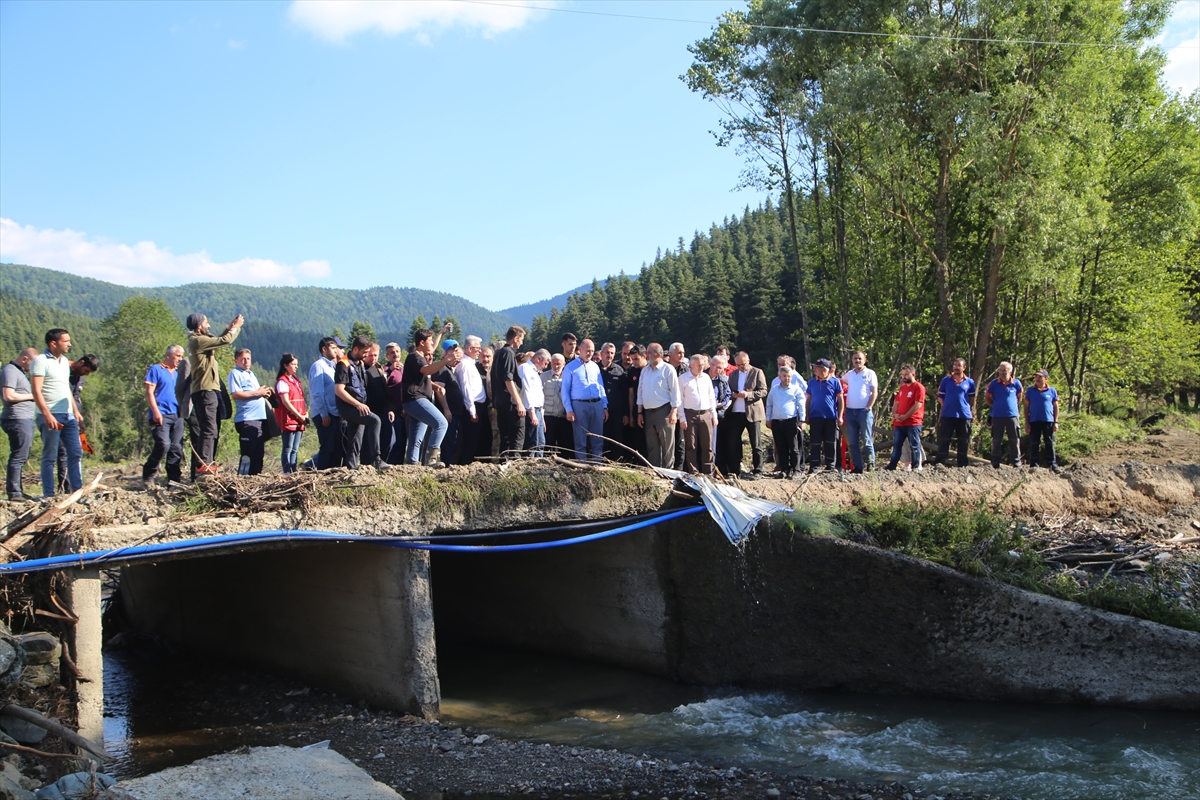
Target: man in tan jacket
[[206, 383], [748, 386]]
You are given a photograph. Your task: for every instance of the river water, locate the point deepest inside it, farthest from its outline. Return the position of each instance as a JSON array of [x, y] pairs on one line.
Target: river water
[[1021, 751]]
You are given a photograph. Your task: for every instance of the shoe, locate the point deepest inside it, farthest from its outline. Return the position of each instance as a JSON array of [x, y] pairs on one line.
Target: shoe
[[919, 468], [830, 468], [789, 475], [208, 469], [147, 484], [856, 471], [382, 465], [1056, 469], [433, 458], [21, 498], [751, 476]]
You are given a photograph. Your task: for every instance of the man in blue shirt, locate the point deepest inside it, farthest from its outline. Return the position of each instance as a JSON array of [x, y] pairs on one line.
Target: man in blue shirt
[[322, 407], [826, 408], [586, 403], [956, 393], [166, 426], [251, 402], [1004, 399], [1041, 414]]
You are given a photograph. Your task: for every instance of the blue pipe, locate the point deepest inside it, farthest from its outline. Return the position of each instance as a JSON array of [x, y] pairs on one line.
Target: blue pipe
[[153, 551]]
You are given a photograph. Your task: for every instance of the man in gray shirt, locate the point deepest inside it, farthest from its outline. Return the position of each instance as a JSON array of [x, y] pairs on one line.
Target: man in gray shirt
[[17, 419]]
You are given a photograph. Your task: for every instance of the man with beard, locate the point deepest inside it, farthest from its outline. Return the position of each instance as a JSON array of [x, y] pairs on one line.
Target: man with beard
[[908, 413]]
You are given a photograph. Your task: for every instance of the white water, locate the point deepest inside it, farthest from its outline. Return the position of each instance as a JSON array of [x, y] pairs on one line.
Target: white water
[[1032, 752]]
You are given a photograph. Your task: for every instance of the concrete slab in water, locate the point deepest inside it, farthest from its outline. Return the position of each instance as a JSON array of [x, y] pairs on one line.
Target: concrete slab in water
[[265, 773]]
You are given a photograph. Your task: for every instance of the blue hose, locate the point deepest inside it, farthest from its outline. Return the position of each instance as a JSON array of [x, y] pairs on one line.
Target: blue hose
[[125, 555]]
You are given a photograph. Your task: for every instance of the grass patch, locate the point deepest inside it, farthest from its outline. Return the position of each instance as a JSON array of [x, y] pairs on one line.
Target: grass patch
[[1081, 435], [982, 543]]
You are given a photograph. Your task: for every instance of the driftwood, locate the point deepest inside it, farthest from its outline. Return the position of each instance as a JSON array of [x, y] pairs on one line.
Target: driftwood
[[64, 733], [19, 535], [20, 748]]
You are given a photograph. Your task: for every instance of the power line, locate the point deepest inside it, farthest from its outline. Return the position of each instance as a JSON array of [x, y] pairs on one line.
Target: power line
[[798, 29]]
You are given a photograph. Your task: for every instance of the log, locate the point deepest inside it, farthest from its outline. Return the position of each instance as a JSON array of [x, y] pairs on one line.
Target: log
[[61, 731], [43, 520]]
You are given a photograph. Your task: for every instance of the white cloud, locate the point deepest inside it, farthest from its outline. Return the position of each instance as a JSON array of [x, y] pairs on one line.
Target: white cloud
[[1183, 66], [141, 264], [335, 20]]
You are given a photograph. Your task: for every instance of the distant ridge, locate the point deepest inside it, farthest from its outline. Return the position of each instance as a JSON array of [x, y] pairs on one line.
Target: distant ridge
[[288, 308], [523, 315]]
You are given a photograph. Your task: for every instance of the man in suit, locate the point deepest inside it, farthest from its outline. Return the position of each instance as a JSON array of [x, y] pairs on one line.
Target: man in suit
[[748, 387]]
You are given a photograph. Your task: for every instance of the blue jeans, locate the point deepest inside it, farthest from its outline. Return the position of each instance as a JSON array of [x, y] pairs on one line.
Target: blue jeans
[[20, 437], [860, 430], [69, 437], [291, 449], [535, 435], [913, 434], [589, 418], [423, 415]]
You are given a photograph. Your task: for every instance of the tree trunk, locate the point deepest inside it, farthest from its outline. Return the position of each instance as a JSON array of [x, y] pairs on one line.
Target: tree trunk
[[941, 258], [791, 210], [987, 322]]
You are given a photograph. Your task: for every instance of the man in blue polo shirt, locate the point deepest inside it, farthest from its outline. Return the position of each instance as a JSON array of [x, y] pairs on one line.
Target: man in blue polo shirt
[[1004, 399], [1041, 414], [251, 412], [586, 403], [166, 426], [956, 393], [826, 406]]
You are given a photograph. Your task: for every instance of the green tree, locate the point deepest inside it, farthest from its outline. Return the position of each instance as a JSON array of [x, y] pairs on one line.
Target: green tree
[[361, 328], [417, 324], [133, 337]]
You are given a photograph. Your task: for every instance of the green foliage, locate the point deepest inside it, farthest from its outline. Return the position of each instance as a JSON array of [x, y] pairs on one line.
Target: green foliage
[[23, 323], [1081, 435], [981, 543], [134, 337], [303, 308], [360, 328]]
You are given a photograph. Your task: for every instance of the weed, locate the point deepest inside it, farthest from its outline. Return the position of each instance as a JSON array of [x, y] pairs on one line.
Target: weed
[[982, 543]]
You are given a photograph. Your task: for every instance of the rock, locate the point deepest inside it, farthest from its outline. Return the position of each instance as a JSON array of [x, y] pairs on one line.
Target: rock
[[8, 656], [772, 793], [39, 675], [480, 739], [40, 648], [24, 732], [264, 773], [76, 786], [13, 783]]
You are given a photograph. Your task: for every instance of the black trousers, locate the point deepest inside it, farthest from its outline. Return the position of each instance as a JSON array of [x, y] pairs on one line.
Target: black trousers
[[329, 456], [206, 406], [468, 434], [1001, 427], [484, 448], [1039, 433], [953, 428], [360, 437], [251, 445], [822, 433], [614, 429], [732, 426], [168, 441], [787, 451], [560, 436], [512, 431]]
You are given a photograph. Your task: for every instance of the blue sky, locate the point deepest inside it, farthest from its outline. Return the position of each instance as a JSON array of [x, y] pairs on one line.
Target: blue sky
[[502, 154]]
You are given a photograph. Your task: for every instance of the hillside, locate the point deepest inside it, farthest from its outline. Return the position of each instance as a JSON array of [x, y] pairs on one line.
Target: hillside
[[524, 314], [24, 323], [286, 308]]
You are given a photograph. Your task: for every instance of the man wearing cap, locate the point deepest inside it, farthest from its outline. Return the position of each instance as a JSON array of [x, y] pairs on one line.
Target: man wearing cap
[[1003, 397], [956, 393], [206, 382], [322, 406], [586, 403], [826, 406], [1041, 415]]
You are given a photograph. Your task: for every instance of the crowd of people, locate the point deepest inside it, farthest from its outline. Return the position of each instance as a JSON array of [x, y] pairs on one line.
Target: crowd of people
[[453, 403]]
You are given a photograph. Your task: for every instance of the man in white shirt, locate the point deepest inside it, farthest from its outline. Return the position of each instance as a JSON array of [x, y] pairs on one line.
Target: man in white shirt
[[59, 420], [699, 411], [860, 420], [474, 397], [658, 402], [535, 402]]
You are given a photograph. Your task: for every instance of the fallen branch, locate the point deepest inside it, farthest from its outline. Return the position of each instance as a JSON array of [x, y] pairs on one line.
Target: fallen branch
[[20, 748], [52, 615], [64, 733], [43, 520], [625, 447]]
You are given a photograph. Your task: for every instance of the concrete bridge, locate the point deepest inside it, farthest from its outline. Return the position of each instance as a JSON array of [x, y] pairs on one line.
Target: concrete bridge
[[674, 599]]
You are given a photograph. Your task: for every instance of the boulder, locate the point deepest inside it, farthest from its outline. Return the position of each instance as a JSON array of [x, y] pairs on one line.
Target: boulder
[[40, 648]]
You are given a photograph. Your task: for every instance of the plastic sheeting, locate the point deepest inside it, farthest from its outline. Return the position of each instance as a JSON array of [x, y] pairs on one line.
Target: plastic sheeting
[[732, 509]]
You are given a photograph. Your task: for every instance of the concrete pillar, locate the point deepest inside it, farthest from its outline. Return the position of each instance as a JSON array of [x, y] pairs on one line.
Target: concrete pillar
[[83, 595], [355, 618]]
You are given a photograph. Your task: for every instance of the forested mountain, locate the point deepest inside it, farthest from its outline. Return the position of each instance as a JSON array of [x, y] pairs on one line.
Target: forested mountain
[[286, 308], [24, 323], [524, 314], [974, 184]]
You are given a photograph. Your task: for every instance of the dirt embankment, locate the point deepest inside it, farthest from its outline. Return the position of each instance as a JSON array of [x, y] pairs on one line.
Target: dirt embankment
[[1169, 495]]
